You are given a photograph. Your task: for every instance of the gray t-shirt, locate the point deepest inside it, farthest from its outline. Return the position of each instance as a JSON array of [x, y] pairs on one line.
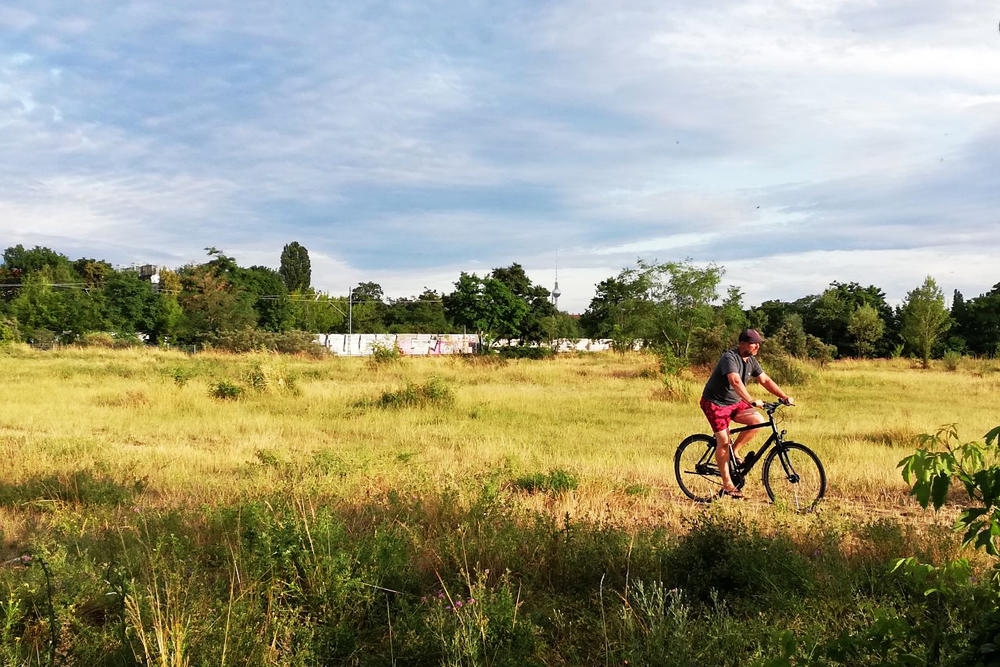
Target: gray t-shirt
[[717, 389]]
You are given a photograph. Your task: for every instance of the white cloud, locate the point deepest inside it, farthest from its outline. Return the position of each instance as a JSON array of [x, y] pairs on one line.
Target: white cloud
[[497, 134]]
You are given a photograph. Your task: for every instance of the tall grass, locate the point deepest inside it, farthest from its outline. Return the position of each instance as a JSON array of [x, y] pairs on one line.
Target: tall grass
[[313, 520]]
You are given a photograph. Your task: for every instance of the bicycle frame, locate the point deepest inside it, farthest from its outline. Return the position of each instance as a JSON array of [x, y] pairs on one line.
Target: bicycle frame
[[740, 472], [776, 437]]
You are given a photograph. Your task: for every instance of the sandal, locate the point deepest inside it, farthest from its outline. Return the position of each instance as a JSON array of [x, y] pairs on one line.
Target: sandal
[[734, 494]]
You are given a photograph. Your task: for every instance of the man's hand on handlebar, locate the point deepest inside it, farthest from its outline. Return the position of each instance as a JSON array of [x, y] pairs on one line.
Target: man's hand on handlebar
[[787, 400]]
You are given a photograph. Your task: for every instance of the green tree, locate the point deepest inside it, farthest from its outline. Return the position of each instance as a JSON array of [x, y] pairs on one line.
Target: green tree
[[925, 318], [563, 326], [296, 270], [93, 272], [978, 322], [533, 327], [667, 304], [487, 306], [367, 308], [271, 302], [421, 314], [130, 303], [320, 313], [24, 262], [622, 309], [65, 311], [210, 303], [684, 295], [791, 337], [867, 328], [828, 315]]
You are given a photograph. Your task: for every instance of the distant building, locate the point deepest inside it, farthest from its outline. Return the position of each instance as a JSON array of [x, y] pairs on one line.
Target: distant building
[[150, 273]]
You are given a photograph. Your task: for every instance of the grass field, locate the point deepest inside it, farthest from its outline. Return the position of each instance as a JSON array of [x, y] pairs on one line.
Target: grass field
[[320, 508]]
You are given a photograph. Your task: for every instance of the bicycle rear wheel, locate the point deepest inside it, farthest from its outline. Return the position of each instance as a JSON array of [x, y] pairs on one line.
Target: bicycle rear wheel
[[793, 475], [695, 468]]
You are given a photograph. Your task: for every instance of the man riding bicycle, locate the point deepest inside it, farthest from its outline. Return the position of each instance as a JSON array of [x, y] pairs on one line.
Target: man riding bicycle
[[725, 398]]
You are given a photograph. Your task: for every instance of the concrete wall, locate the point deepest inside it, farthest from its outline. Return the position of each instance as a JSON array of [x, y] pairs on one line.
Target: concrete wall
[[360, 345]]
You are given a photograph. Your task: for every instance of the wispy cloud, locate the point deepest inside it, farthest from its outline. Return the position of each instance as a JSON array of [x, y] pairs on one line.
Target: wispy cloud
[[408, 142]]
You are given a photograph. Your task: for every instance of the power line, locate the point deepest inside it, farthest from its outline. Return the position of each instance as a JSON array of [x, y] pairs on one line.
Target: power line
[[297, 298]]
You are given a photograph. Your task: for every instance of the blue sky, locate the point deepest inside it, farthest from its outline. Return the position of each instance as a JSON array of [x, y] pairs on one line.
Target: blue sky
[[793, 142]]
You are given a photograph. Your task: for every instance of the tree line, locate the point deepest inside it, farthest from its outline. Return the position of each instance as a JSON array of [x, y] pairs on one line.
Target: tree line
[[45, 297], [677, 307]]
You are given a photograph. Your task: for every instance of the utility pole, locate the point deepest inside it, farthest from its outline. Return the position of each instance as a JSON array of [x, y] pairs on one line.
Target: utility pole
[[350, 317]]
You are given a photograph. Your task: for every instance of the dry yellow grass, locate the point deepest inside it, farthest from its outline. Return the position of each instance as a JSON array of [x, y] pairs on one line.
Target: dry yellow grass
[[148, 415]]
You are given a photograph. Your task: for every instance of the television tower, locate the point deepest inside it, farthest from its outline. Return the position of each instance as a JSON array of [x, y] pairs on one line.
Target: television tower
[[555, 290]]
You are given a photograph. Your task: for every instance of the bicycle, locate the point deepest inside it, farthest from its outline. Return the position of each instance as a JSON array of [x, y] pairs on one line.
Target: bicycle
[[792, 473]]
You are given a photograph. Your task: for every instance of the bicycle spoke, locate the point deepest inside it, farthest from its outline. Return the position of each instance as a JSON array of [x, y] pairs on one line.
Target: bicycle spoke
[[794, 476], [695, 468]]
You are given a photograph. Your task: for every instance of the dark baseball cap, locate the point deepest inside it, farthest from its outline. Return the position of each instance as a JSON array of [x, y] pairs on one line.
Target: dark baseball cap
[[751, 336]]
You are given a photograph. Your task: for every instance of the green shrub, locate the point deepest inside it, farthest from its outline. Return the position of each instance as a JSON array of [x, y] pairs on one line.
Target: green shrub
[[127, 340], [433, 393], [722, 555], [786, 369], [385, 354], [181, 375], [670, 363], [257, 340], [226, 391], [97, 339], [818, 351], [10, 332], [556, 481], [952, 360]]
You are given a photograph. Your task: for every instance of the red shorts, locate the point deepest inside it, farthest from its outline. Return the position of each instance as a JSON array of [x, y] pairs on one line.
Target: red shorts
[[719, 416]]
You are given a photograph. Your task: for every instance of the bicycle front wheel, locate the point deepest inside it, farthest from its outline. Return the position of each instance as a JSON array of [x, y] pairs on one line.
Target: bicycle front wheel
[[696, 470], [794, 476]]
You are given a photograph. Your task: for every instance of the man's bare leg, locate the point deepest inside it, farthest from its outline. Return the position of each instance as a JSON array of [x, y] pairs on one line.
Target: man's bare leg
[[747, 418], [722, 460]]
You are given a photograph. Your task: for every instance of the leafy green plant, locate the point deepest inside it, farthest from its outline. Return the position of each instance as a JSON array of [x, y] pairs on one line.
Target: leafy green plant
[[670, 363], [939, 461], [181, 375], [226, 391], [385, 354]]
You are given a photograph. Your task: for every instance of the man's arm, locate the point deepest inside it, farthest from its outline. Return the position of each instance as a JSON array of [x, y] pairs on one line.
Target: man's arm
[[741, 390], [773, 387]]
